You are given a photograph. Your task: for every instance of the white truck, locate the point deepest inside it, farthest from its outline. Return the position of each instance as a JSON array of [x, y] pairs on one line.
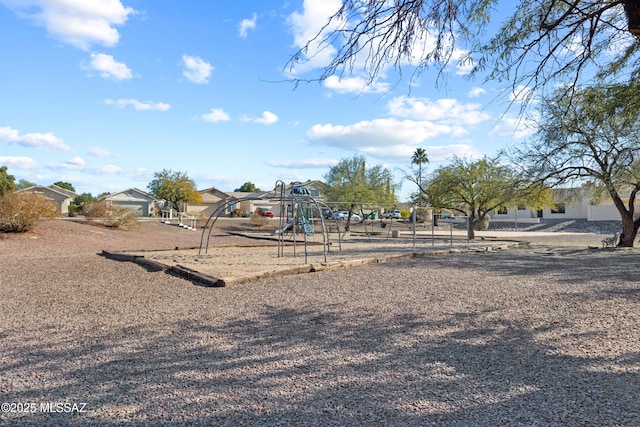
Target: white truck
[[392, 214]]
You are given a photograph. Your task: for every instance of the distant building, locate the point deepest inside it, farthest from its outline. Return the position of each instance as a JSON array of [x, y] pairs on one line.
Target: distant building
[[133, 199], [569, 203], [60, 196], [247, 203]]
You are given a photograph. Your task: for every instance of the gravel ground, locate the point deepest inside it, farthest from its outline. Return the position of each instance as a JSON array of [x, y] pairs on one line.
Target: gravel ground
[[545, 335]]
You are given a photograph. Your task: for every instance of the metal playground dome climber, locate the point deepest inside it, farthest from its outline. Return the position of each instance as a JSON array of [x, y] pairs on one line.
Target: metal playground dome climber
[[300, 215]]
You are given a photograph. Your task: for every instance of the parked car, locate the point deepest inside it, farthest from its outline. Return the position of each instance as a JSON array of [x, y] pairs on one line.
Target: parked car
[[265, 212], [344, 215], [392, 214], [327, 213]]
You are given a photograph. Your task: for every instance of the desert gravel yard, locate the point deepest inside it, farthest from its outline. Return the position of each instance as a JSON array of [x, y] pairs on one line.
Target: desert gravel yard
[[543, 335]]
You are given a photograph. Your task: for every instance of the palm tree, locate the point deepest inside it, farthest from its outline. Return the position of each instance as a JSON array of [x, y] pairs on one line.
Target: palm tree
[[419, 158]]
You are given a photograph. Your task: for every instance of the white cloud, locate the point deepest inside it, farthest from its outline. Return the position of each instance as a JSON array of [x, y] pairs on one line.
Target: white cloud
[[447, 152], [99, 152], [573, 46], [364, 135], [313, 18], [414, 122], [303, 164], [268, 118], [81, 167], [109, 68], [76, 161], [218, 181], [141, 174], [18, 162], [63, 166], [464, 65], [620, 41], [290, 175], [216, 115], [445, 110], [196, 69], [436, 153], [106, 169], [80, 23], [306, 25], [513, 127], [311, 29], [36, 140], [354, 85], [246, 25], [521, 94], [463, 69], [137, 105], [476, 92]]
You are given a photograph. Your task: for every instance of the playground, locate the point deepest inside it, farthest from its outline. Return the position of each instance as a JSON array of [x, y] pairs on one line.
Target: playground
[[307, 237], [257, 253], [304, 237]]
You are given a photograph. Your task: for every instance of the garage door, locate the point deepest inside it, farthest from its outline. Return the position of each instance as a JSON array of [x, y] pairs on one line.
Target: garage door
[[139, 207]]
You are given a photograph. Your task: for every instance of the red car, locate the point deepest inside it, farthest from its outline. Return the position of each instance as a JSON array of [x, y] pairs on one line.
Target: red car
[[266, 212]]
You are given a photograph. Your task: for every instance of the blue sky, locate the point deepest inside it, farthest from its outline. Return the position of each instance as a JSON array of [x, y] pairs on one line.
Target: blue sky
[[102, 94]]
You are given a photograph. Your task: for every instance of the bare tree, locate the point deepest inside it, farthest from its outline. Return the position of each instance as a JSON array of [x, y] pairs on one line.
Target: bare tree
[[543, 41]]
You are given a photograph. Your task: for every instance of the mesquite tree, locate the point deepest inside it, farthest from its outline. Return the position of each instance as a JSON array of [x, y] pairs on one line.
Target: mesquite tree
[[475, 188], [174, 187], [351, 182], [541, 43], [594, 137]]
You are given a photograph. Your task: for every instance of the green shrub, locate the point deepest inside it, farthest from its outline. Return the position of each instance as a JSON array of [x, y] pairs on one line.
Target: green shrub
[[111, 216], [79, 203], [20, 212]]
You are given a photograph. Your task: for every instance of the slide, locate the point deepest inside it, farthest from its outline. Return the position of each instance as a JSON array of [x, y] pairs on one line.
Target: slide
[[284, 228], [308, 230]]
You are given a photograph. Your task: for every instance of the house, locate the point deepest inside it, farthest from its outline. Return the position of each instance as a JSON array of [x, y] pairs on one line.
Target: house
[[569, 203], [247, 203], [134, 199], [314, 188], [60, 196], [212, 199]]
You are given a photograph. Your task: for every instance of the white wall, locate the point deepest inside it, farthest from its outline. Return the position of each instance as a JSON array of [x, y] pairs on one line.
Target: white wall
[[514, 214], [604, 213]]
